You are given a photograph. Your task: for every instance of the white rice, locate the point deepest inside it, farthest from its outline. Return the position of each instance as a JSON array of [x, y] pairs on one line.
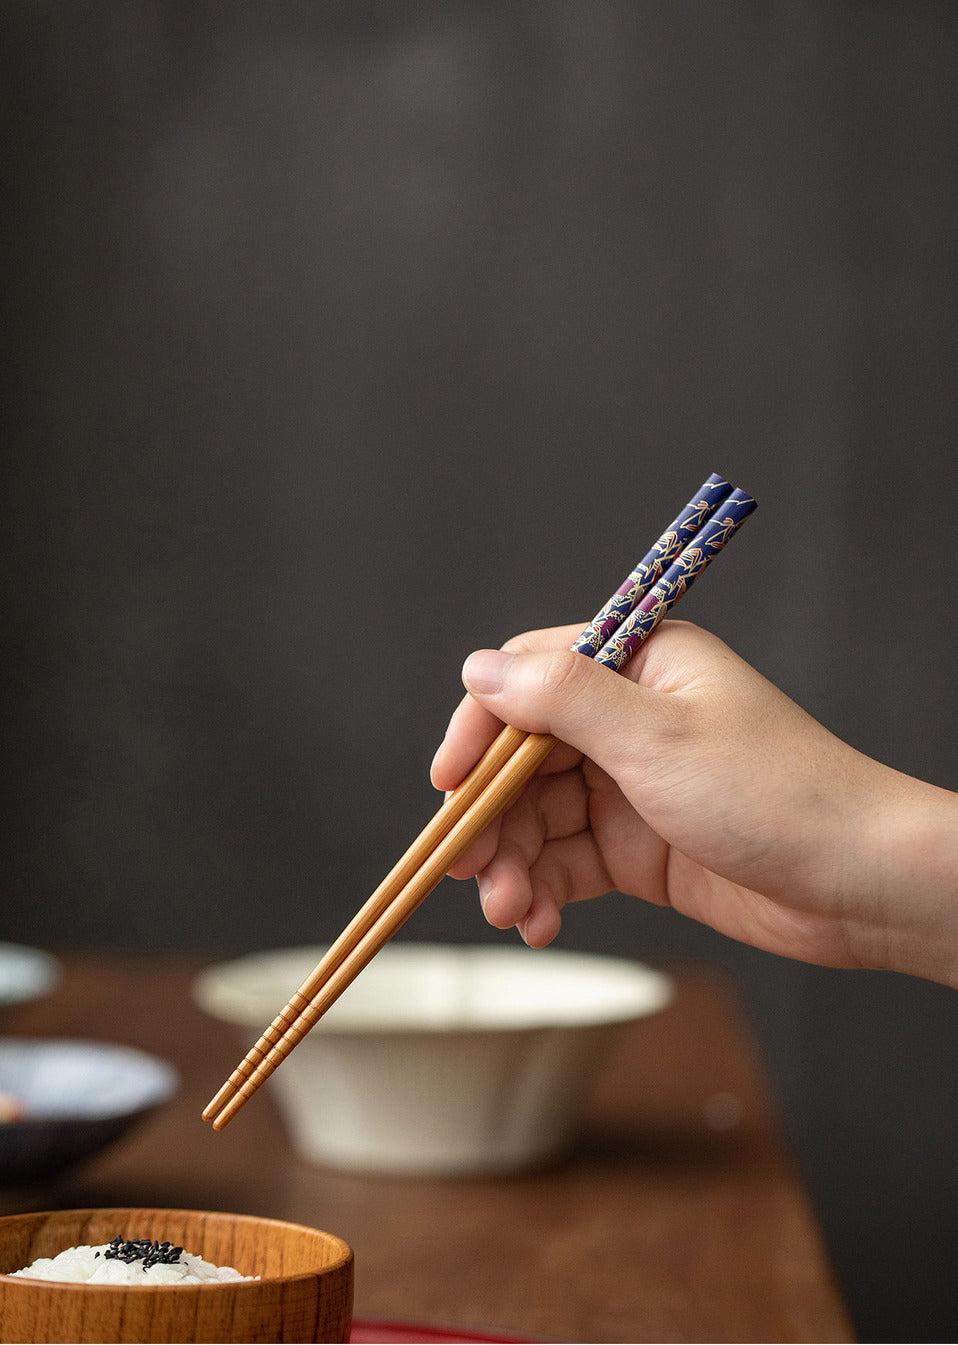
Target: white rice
[[88, 1265]]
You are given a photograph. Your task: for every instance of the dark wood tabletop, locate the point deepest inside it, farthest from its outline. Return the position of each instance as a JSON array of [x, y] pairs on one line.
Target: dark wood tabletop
[[679, 1216]]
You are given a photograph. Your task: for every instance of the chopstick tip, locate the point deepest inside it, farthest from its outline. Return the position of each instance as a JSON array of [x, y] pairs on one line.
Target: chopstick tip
[[219, 1101]]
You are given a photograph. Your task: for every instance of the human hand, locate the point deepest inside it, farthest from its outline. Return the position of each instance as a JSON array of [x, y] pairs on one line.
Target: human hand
[[690, 780]]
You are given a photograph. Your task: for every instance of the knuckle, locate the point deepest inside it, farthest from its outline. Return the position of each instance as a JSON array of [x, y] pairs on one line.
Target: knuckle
[[681, 726], [519, 644], [561, 675]]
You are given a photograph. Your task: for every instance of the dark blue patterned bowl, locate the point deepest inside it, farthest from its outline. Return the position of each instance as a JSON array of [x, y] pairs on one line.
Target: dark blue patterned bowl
[[70, 1099]]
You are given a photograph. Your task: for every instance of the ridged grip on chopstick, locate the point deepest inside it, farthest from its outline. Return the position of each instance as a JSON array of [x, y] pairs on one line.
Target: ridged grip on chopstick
[[515, 773], [486, 769]]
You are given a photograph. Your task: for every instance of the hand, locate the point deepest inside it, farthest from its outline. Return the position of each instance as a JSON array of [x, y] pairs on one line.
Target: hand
[[690, 780]]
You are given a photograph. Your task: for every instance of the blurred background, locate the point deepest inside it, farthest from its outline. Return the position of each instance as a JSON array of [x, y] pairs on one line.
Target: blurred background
[[342, 339]]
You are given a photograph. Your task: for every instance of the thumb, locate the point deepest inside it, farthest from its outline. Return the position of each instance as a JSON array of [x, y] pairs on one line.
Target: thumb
[[582, 703]]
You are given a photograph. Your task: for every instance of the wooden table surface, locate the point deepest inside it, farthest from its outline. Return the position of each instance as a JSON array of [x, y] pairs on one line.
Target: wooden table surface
[[678, 1217]]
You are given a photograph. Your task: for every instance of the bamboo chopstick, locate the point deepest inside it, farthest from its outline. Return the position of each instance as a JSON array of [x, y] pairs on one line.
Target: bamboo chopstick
[[514, 756], [638, 583]]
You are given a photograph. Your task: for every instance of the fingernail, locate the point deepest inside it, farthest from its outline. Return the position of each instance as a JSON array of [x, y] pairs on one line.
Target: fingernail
[[484, 670], [485, 891]]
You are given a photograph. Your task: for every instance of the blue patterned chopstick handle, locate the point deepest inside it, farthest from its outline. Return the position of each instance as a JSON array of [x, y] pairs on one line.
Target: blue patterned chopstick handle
[[680, 531], [706, 544]]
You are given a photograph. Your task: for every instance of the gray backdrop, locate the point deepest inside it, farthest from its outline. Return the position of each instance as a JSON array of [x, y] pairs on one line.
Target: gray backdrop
[[344, 338]]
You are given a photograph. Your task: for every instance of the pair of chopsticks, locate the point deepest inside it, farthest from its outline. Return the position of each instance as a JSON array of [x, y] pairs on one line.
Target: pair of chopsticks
[[682, 552]]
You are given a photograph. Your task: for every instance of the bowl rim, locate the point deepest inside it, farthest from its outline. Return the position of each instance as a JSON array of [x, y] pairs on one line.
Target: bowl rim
[[244, 1285], [166, 1079], [209, 983]]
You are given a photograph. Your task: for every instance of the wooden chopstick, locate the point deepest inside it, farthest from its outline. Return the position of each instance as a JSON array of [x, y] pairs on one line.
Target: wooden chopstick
[[670, 544], [442, 822], [497, 778], [517, 770]]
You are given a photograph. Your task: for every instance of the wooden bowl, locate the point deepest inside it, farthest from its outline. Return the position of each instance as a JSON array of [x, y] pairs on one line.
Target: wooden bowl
[[304, 1294]]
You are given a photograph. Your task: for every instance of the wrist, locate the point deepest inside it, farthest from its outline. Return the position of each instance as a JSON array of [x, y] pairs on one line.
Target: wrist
[[910, 882]]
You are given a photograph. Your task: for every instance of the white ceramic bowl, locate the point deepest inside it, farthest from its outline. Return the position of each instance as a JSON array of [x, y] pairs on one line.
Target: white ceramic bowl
[[25, 974], [439, 1059]]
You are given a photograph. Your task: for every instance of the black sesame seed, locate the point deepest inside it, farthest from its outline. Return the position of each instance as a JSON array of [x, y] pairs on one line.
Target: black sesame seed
[[151, 1253]]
